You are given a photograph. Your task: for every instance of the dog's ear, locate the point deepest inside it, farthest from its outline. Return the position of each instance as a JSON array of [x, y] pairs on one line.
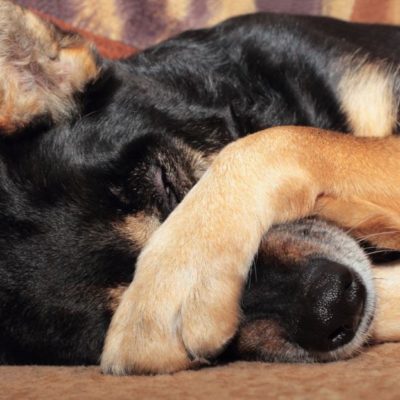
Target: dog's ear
[[41, 69]]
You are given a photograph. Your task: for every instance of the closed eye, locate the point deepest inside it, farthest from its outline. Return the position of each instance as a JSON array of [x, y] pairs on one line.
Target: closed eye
[[165, 190]]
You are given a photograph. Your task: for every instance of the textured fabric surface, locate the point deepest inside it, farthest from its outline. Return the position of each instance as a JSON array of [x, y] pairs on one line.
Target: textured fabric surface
[[372, 375], [141, 23], [108, 48]]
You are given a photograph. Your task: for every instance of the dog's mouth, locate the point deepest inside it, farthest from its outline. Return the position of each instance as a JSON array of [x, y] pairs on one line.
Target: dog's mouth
[[310, 296]]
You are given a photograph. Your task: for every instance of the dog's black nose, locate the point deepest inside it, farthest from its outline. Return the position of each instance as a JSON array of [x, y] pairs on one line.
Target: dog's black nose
[[332, 308]]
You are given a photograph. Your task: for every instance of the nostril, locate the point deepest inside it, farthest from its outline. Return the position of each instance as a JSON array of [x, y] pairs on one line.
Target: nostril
[[349, 283], [340, 335], [347, 278]]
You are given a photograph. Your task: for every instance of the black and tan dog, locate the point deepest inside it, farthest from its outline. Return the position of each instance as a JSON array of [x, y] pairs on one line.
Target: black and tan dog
[[95, 155]]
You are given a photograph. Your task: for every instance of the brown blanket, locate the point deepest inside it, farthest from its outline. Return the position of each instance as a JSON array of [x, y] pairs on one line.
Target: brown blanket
[[141, 23], [374, 375]]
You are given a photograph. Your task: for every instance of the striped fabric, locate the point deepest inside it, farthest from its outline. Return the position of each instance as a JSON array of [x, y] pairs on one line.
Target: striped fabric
[[141, 23]]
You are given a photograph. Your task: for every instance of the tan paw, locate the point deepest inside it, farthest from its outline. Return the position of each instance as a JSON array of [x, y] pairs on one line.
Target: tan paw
[[172, 317], [183, 304]]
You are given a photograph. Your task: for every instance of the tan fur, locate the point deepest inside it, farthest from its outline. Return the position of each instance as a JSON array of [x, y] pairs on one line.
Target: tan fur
[[204, 249], [367, 94], [198, 161], [261, 335], [363, 219], [387, 318], [288, 248], [138, 228], [114, 296], [40, 68]]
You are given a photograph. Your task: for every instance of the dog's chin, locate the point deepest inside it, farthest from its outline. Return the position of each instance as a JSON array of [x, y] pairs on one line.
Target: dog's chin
[[269, 339]]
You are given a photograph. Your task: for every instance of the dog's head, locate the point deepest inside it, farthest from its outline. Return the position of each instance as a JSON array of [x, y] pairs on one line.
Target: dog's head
[[90, 167]]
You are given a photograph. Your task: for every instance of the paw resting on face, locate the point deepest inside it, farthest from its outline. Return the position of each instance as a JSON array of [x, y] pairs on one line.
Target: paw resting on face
[[173, 316], [183, 304]]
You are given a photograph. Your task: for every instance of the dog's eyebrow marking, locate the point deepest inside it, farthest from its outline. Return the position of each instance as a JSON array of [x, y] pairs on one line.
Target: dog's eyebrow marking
[[199, 161], [367, 92], [138, 228]]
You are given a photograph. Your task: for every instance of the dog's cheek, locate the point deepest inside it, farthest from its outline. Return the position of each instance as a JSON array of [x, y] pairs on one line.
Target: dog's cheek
[[264, 340]]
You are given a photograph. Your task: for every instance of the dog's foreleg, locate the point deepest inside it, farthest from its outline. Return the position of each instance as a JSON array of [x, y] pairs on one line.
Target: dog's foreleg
[[363, 219], [183, 304]]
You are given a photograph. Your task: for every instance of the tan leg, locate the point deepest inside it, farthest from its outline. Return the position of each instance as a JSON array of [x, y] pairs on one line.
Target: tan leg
[[386, 326], [183, 304], [363, 219]]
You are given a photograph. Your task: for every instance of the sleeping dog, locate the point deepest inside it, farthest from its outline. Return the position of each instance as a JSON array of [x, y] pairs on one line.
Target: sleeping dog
[[96, 160]]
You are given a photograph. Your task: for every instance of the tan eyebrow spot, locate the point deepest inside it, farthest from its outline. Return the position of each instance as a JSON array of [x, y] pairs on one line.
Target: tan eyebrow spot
[[138, 228], [367, 94]]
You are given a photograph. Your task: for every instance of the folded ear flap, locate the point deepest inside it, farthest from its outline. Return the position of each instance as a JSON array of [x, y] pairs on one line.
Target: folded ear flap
[[41, 69]]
